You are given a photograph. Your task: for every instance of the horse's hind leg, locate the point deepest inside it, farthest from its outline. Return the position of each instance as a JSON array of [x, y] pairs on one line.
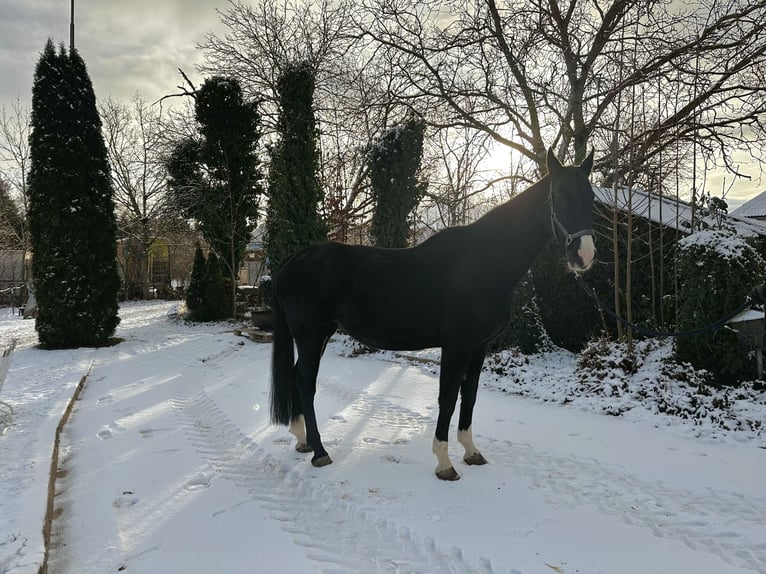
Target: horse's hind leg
[[309, 353], [468, 390], [298, 424], [298, 430]]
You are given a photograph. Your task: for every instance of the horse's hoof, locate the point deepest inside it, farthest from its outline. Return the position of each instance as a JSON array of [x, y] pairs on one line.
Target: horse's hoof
[[476, 458], [303, 447], [447, 474], [322, 461]]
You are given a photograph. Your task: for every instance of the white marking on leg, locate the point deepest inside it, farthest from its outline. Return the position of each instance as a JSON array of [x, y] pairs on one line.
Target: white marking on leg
[[472, 455], [440, 450], [465, 437], [587, 251], [298, 429]]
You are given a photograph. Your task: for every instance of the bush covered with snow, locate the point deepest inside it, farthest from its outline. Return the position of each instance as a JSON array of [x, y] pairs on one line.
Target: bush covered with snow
[[717, 271], [648, 381], [525, 331]]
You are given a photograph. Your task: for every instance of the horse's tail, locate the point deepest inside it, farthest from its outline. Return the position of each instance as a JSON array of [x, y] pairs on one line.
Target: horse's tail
[[282, 366]]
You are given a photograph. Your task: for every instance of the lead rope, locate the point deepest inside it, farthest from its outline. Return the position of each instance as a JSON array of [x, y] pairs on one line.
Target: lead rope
[[752, 300]]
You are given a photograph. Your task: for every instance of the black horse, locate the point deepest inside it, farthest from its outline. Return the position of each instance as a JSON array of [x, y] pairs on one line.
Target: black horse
[[452, 291]]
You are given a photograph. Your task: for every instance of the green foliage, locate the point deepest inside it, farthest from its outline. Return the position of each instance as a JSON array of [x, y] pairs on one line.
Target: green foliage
[[71, 211], [568, 316], [196, 290], [717, 271], [215, 179], [207, 298], [292, 219], [525, 332], [394, 162], [572, 319], [216, 302]]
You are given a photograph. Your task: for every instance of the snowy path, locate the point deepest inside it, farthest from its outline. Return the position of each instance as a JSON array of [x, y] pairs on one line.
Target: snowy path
[[171, 465], [39, 385], [701, 520]]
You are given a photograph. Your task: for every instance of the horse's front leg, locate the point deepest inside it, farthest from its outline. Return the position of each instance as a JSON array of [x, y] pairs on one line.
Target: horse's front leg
[[468, 389], [453, 366]]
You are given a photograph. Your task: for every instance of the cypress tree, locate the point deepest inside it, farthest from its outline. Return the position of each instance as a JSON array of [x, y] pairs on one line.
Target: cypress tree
[[215, 302], [196, 290], [229, 129], [215, 178], [394, 161], [292, 219], [71, 211]]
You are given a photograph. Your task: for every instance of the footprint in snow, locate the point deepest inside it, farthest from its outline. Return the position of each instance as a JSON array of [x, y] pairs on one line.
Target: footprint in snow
[[371, 440], [149, 433], [394, 459], [127, 500], [109, 430], [201, 481]]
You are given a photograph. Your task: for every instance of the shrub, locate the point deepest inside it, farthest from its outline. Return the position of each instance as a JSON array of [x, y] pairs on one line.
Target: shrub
[[216, 293], [525, 332], [195, 291], [717, 270]]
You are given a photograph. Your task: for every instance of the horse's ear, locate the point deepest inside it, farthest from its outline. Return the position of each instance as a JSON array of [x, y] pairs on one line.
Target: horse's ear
[[553, 164], [587, 164]]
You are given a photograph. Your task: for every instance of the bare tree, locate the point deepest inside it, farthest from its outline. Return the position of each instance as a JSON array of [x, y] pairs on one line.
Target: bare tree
[[14, 166], [532, 72], [456, 166], [132, 134], [265, 37]]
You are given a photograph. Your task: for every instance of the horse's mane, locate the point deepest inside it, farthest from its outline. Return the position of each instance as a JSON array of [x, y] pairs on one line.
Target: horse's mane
[[508, 210]]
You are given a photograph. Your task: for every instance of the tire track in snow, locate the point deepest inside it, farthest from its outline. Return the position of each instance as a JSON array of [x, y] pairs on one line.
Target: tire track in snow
[[335, 531], [704, 521]]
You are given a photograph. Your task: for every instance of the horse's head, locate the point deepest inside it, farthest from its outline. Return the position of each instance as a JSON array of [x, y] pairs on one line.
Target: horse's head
[[571, 205]]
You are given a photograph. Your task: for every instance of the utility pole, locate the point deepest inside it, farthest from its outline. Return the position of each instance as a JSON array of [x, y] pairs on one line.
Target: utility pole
[[71, 29]]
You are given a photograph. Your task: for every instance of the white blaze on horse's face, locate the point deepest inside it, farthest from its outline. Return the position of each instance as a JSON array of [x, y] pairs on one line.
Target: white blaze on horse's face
[[586, 252]]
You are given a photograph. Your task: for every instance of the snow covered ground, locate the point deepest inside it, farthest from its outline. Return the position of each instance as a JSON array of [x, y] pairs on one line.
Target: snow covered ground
[[169, 464]]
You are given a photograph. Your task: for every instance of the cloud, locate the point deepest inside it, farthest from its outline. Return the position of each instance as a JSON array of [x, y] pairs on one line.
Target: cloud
[[128, 45]]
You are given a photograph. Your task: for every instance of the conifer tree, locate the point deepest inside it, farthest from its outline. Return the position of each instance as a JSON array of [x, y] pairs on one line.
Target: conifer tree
[[292, 219], [196, 290], [71, 211], [215, 179], [215, 302], [394, 161]]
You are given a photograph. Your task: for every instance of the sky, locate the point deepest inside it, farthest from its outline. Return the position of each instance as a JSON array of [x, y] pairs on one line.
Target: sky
[[129, 46], [135, 46]]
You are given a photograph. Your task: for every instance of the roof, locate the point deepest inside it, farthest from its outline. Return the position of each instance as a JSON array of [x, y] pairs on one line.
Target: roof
[[754, 207], [671, 212]]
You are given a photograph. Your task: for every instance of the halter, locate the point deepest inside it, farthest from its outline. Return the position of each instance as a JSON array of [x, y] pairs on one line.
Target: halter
[[556, 225]]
